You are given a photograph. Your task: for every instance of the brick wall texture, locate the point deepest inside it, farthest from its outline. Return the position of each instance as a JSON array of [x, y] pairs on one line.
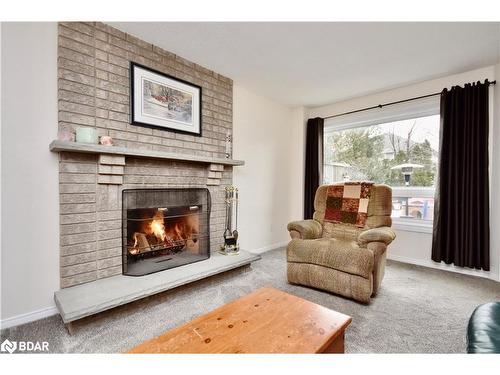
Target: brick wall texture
[[93, 91]]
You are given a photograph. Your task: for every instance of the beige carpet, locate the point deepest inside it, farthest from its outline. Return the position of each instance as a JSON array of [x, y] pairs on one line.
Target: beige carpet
[[418, 310]]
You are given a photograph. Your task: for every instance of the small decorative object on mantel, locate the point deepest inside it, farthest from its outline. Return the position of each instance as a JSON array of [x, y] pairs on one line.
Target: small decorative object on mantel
[[162, 101], [228, 145], [106, 140], [66, 135], [231, 246], [86, 135]]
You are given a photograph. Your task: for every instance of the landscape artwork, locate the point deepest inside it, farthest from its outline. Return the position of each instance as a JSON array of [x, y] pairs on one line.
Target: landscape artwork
[[167, 102], [160, 100]]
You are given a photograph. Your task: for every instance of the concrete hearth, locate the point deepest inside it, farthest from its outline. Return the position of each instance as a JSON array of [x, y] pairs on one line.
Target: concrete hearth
[[91, 298]]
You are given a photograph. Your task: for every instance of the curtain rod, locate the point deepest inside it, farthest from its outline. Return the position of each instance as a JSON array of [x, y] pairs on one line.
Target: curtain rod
[[391, 103]]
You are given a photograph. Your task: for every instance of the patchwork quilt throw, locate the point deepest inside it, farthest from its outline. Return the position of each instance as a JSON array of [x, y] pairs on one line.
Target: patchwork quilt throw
[[348, 203]]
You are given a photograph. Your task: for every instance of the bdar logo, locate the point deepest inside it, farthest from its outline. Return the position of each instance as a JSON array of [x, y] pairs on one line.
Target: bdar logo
[[8, 346]]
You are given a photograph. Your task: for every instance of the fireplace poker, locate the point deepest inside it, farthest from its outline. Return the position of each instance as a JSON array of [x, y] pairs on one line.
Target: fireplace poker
[[235, 232], [227, 231]]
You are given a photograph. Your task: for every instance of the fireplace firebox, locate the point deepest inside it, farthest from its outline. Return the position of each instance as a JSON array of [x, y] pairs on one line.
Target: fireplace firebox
[[164, 228]]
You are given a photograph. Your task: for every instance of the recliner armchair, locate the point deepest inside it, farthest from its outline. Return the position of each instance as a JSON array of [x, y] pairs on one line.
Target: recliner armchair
[[342, 258]]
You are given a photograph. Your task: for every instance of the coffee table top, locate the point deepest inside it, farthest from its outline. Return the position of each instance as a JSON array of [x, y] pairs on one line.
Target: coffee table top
[[265, 321]]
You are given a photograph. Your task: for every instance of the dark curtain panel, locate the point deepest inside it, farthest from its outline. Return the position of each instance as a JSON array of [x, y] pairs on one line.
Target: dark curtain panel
[[461, 212], [314, 163]]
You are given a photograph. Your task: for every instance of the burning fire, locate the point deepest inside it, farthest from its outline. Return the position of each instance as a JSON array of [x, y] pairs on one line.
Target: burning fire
[[134, 250], [157, 227], [157, 234]]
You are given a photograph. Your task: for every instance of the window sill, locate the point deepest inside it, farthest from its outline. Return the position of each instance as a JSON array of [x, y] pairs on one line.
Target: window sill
[[412, 226]]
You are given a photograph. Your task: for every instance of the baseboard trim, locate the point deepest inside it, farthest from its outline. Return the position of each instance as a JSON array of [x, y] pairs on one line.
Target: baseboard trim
[[28, 317], [442, 266], [263, 249]]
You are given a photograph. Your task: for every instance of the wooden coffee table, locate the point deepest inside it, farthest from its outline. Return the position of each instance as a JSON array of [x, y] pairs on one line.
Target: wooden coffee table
[[265, 321]]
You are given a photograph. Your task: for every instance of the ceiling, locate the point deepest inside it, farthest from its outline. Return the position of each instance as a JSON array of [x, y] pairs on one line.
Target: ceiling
[[313, 64]]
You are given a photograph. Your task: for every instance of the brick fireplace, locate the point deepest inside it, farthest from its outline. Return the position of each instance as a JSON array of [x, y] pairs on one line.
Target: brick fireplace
[[94, 90]]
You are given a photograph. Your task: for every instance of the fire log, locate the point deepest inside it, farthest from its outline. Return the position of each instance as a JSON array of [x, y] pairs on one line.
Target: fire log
[[142, 242]]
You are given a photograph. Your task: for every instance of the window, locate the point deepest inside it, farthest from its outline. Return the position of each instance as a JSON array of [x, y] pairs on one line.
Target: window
[[402, 154]]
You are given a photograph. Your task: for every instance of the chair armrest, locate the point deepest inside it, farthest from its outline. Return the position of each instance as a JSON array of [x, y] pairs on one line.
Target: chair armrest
[[307, 229], [381, 234]]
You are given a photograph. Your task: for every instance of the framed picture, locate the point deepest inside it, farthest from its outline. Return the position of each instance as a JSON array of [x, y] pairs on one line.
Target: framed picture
[[159, 100]]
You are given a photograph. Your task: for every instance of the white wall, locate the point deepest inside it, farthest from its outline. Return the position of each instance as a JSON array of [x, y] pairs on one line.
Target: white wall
[[495, 168], [297, 128], [415, 247], [269, 137], [30, 221]]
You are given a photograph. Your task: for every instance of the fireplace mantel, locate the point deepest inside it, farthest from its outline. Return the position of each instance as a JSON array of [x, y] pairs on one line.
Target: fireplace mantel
[[64, 146]]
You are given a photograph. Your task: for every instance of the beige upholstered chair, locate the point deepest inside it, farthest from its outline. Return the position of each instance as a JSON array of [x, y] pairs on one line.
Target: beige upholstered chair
[[342, 258]]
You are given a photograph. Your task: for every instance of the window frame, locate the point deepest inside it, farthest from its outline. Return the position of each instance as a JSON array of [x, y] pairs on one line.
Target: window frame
[[404, 111]]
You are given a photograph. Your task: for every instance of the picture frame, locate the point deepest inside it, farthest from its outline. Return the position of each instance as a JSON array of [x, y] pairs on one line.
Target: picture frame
[[162, 101]]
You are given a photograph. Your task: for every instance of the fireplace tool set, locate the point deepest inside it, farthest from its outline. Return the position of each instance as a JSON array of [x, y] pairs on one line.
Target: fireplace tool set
[[231, 246]]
